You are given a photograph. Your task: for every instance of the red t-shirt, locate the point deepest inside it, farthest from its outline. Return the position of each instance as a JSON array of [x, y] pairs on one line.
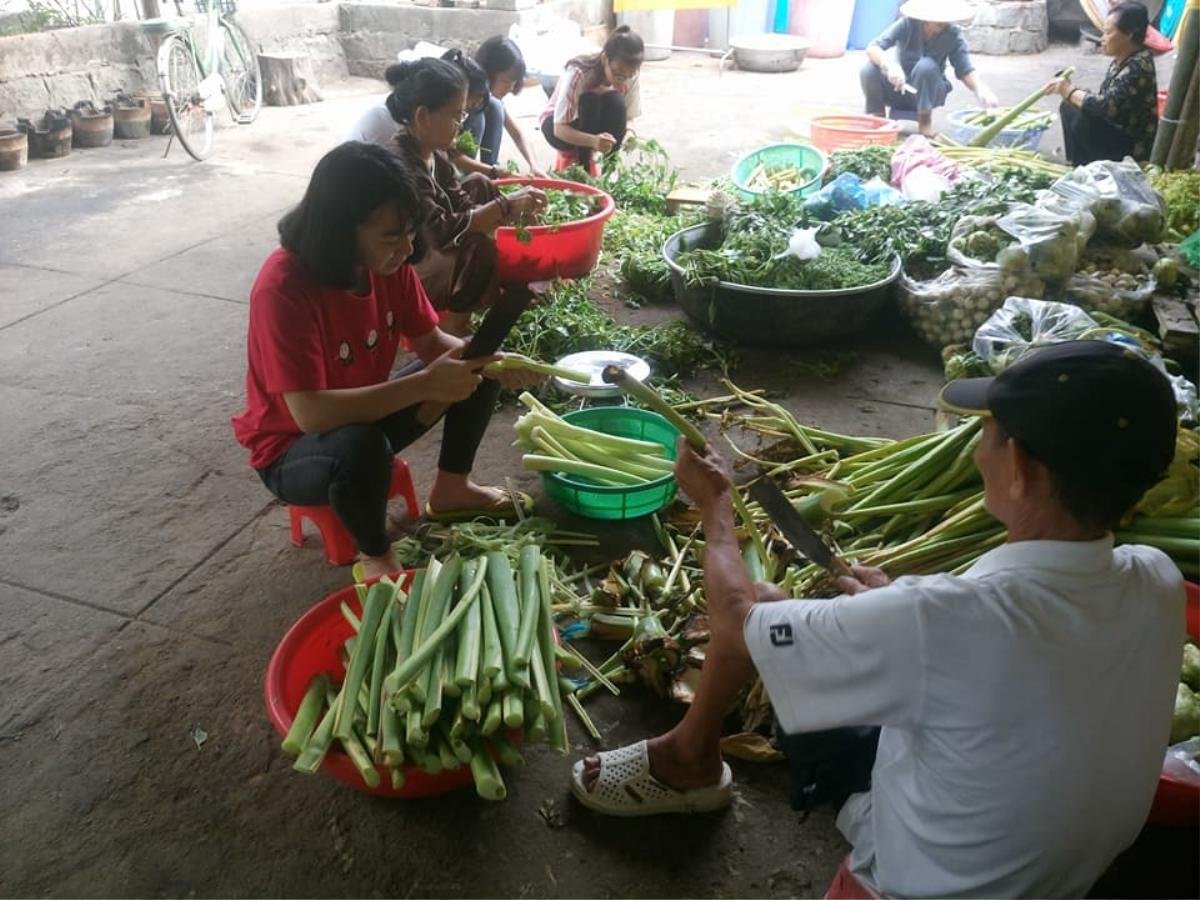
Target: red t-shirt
[[305, 336]]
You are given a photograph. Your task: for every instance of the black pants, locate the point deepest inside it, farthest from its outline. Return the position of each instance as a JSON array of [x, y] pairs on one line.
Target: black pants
[[1087, 138], [598, 114], [829, 766], [350, 468]]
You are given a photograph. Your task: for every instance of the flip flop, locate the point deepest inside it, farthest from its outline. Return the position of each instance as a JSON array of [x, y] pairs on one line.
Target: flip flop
[[501, 511], [625, 787]]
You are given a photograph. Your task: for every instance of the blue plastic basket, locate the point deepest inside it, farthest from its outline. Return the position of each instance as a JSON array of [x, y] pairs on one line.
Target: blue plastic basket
[[962, 133]]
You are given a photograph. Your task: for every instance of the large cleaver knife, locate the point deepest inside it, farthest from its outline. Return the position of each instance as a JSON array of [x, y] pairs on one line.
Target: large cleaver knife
[[793, 527]]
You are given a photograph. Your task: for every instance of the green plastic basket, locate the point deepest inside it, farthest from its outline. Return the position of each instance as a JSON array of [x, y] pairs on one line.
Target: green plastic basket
[[776, 155], [599, 501]]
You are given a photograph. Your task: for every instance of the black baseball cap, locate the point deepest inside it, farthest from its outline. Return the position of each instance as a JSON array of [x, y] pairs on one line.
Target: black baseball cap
[[1088, 407]]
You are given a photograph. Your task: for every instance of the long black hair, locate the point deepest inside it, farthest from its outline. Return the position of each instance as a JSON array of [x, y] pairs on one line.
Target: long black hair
[[498, 55], [624, 44], [431, 83], [348, 185], [477, 80], [1133, 19]]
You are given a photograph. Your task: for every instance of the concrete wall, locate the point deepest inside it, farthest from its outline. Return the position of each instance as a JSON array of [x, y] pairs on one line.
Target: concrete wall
[[1002, 27], [59, 68], [372, 34], [312, 28]]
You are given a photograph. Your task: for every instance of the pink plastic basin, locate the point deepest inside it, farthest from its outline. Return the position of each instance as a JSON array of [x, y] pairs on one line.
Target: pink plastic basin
[[554, 251]]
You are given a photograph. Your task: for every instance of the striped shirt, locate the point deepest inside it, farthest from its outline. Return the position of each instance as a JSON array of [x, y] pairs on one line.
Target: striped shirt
[[577, 81]]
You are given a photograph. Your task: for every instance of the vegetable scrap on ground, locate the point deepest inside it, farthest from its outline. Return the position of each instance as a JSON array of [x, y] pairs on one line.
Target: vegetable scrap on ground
[[441, 669]]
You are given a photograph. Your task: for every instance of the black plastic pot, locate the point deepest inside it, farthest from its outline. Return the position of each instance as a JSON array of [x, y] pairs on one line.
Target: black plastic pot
[[767, 316]]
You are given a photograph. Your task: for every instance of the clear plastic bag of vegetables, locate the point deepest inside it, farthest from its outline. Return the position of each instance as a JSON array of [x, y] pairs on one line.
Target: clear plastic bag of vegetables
[[1118, 195], [1024, 239], [1118, 293], [1023, 324], [949, 308]]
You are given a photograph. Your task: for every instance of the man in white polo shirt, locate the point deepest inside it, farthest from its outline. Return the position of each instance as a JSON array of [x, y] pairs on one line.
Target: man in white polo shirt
[[1024, 706]]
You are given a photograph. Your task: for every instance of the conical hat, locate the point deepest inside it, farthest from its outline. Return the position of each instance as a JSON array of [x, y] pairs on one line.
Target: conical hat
[[938, 10]]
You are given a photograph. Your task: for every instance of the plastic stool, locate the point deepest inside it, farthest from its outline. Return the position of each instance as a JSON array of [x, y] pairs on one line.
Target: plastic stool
[[568, 158], [340, 548]]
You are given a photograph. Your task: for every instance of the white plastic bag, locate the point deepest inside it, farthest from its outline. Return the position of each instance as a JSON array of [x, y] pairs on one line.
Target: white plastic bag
[[803, 244], [948, 309], [1023, 324], [1126, 208], [923, 184]]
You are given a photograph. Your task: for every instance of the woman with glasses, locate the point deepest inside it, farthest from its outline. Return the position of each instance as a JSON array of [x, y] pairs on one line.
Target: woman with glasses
[[503, 65], [329, 313], [429, 101], [595, 99]]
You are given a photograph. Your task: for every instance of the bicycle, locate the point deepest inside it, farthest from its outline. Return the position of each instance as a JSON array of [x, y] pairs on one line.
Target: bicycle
[[198, 80]]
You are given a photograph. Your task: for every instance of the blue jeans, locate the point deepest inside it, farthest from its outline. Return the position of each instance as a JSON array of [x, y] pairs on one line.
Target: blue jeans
[[926, 76], [487, 125]]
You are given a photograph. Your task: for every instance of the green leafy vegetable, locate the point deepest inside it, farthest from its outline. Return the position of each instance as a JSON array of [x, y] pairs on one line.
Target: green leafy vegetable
[[865, 162]]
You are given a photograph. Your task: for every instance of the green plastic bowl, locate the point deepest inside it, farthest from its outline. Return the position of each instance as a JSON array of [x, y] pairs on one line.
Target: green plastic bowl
[[776, 155], [584, 497]]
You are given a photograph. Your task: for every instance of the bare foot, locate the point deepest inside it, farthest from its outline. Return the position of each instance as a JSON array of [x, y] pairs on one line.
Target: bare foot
[[681, 769], [374, 566], [454, 492]]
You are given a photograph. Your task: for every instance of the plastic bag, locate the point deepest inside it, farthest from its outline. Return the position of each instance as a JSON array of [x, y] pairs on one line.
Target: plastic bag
[[1022, 324], [1117, 293], [844, 194], [923, 185], [916, 153], [1118, 195], [1183, 761], [880, 193], [803, 244], [1025, 238], [948, 309]]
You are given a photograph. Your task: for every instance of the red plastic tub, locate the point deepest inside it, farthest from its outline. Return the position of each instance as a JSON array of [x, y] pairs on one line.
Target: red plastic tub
[[311, 646], [1177, 803], [829, 133], [554, 251]]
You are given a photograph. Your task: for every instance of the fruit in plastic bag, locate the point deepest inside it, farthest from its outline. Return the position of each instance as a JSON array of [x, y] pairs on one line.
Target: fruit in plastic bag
[[1185, 722], [1189, 672]]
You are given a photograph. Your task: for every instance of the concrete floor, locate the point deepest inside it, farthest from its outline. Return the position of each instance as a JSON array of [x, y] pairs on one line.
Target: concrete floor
[[146, 575]]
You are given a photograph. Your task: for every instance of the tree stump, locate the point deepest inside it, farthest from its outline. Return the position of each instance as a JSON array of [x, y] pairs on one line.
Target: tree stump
[[287, 79]]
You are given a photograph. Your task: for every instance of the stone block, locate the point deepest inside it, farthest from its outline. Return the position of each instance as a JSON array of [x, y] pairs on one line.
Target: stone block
[[1027, 42]]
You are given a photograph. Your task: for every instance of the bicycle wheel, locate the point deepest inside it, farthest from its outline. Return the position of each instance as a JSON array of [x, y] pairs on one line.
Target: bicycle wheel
[[179, 80], [239, 68]]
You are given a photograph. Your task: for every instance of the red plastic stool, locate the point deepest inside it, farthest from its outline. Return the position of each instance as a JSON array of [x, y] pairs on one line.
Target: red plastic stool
[[568, 158], [340, 548]]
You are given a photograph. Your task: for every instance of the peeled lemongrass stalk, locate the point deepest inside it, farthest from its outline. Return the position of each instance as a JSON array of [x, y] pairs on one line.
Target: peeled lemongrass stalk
[[517, 361], [489, 784], [306, 716], [603, 474]]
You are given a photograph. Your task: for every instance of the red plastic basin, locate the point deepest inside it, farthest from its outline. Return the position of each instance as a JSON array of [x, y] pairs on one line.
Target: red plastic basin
[[554, 251], [311, 646], [1176, 802], [829, 133]]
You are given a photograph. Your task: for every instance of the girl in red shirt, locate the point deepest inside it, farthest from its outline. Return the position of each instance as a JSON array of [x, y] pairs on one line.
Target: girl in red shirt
[[327, 313]]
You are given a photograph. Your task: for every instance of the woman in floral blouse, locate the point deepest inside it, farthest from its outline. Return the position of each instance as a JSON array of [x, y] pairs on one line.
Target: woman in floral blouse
[[1122, 118]]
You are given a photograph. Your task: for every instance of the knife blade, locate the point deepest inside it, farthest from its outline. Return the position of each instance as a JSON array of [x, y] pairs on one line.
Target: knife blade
[[793, 527]]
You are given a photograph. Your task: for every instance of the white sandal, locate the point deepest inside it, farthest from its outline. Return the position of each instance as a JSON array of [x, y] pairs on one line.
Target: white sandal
[[625, 787]]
